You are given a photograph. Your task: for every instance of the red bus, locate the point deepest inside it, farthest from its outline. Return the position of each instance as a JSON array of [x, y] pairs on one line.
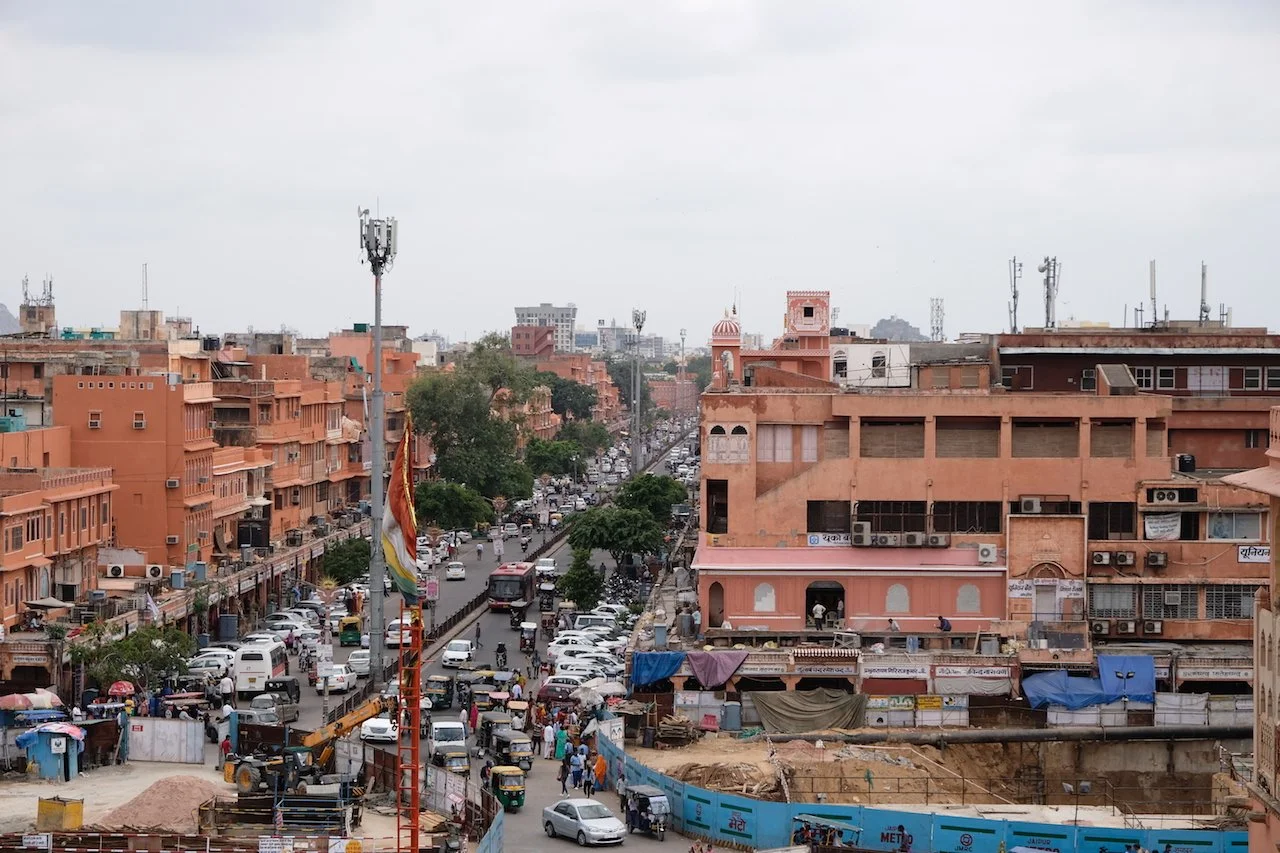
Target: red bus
[[510, 582]]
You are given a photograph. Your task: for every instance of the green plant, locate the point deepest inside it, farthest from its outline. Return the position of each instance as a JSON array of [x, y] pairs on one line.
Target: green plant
[[347, 560], [582, 584]]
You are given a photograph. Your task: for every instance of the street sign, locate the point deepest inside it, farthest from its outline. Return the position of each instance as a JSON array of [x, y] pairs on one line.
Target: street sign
[[326, 670], [38, 841], [431, 588], [324, 653]]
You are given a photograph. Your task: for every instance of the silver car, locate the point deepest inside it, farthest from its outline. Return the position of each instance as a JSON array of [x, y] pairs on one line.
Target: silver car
[[584, 820]]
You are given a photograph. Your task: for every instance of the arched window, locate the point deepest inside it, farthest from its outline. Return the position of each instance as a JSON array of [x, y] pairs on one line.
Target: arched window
[[897, 599], [840, 365], [766, 601], [739, 430], [717, 430], [968, 599], [879, 361]]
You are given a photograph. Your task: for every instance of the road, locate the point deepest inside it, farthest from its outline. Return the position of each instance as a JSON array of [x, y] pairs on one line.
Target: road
[[523, 830]]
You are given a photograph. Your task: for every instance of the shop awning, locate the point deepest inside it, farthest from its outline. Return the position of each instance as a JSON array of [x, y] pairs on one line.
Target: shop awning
[[50, 603]]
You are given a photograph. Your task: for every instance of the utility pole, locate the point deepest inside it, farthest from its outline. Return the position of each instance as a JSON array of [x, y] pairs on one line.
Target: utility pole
[[637, 320], [1015, 273], [378, 240], [681, 377]]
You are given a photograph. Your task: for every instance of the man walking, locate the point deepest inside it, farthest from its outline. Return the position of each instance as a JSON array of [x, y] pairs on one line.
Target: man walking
[[227, 690], [818, 612], [479, 645]]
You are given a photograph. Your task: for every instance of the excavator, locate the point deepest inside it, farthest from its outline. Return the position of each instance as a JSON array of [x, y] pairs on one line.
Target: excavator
[[307, 761]]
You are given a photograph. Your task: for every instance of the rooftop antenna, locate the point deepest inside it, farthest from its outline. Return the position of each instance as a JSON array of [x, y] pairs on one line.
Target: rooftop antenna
[[1137, 316], [144, 287], [1204, 294], [936, 314], [1155, 311], [1015, 273], [1051, 270], [26, 296]]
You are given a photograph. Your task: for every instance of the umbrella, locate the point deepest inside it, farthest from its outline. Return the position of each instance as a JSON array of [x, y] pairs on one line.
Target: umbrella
[[27, 738], [121, 688], [40, 700]]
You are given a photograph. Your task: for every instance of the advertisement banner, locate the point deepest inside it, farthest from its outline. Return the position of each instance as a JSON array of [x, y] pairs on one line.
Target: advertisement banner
[[891, 670], [892, 703], [928, 703], [830, 540], [945, 671], [1162, 526]]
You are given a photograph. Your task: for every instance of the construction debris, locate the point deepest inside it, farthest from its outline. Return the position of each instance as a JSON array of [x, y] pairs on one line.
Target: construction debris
[[170, 804], [677, 730]]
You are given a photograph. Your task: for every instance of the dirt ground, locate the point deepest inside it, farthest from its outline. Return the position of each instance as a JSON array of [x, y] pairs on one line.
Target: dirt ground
[[846, 773]]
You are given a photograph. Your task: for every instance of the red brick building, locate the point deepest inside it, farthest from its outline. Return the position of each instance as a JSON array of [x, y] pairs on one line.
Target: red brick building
[[533, 341]]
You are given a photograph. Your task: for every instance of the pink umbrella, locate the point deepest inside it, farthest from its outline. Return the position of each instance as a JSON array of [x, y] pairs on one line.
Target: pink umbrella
[[41, 700], [121, 688]]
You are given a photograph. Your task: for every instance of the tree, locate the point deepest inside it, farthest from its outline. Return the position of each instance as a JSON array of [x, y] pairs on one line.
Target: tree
[[143, 658], [582, 584], [654, 494], [567, 397], [699, 369], [450, 506], [347, 560], [556, 458], [590, 437], [491, 363], [619, 531], [620, 373]]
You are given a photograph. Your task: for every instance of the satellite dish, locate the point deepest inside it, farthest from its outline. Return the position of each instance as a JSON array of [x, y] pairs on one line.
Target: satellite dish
[[1042, 268]]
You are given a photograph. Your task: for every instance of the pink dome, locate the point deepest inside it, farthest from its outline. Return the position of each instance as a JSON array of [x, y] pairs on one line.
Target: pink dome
[[729, 327]]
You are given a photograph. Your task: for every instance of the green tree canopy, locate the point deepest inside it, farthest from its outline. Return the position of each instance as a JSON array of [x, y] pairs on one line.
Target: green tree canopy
[[143, 658], [590, 437], [554, 457], [620, 373], [582, 584], [567, 397], [347, 560], [491, 363], [653, 494], [616, 530], [450, 506]]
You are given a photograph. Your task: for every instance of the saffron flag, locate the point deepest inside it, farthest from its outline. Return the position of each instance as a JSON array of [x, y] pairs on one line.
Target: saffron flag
[[399, 527]]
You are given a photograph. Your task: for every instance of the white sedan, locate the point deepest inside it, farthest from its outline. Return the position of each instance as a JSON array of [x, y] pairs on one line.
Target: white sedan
[[380, 728], [457, 653], [342, 680], [455, 571], [586, 821]]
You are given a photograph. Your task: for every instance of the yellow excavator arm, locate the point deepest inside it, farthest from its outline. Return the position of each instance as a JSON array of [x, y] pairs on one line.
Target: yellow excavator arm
[[322, 738]]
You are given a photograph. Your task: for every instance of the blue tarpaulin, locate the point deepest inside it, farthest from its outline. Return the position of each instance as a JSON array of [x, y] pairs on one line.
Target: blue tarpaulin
[[648, 667], [1058, 688]]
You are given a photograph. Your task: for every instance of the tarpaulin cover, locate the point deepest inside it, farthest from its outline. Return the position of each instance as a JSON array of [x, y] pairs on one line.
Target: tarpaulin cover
[[648, 667], [796, 712], [715, 668], [1114, 672], [1058, 688], [28, 738]]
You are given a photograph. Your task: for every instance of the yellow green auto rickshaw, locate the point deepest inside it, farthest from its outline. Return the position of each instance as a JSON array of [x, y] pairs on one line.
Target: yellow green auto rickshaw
[[439, 690], [349, 630], [507, 784]]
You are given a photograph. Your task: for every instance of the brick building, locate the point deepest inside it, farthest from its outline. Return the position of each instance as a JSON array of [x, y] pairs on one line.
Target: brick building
[[533, 341], [581, 368]]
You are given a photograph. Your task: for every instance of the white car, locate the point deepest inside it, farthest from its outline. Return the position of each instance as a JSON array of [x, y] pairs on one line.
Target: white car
[[457, 653], [455, 571], [381, 728], [336, 615], [545, 567], [614, 610], [579, 667], [463, 535], [358, 662], [208, 665], [342, 680], [308, 637], [268, 637], [587, 821]]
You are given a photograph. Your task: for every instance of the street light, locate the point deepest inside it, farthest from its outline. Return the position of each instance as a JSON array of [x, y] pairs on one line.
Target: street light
[[1124, 685], [1084, 786], [378, 241]]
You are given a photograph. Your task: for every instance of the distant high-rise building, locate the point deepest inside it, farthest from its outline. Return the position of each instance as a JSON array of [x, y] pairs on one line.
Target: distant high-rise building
[[585, 340], [545, 314]]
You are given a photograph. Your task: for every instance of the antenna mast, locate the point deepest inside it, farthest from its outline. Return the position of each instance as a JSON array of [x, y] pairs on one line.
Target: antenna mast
[[936, 315], [1051, 269], [1155, 311], [1015, 273], [1204, 294], [144, 287]]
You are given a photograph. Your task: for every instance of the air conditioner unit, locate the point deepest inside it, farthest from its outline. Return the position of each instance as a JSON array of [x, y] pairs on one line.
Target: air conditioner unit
[[862, 540], [1126, 558], [1100, 627], [115, 571], [204, 481], [172, 483], [1029, 505], [914, 540], [155, 571], [171, 540], [1157, 559], [1100, 558], [1165, 496], [202, 534], [1153, 626], [939, 540], [295, 497], [1126, 627], [1172, 598], [861, 527], [887, 540], [987, 554]]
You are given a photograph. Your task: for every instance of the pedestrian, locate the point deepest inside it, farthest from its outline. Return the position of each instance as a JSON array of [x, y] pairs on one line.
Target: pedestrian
[[697, 622], [465, 715], [944, 624], [479, 645], [575, 769], [602, 770], [548, 741], [562, 737], [588, 781], [563, 776], [818, 612], [517, 692], [840, 613], [227, 690], [224, 750], [893, 625], [479, 550]]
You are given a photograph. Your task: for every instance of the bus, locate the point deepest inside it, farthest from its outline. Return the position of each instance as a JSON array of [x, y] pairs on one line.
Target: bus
[[257, 663], [510, 582]]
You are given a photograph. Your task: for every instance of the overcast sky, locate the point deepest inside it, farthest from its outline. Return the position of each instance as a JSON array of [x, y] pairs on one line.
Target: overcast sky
[[657, 154]]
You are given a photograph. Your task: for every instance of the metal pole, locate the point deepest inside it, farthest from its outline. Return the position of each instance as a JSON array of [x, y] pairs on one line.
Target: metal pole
[[377, 562]]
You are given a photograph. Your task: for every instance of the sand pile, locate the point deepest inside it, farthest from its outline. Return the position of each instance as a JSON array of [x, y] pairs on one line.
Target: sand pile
[[169, 804]]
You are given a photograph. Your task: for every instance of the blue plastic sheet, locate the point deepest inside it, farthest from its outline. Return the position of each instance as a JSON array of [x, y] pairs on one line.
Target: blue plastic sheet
[[648, 667], [1132, 676], [1058, 688]]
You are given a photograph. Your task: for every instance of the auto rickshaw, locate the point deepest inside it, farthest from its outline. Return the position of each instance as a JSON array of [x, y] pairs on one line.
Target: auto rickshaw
[[482, 696], [512, 747], [463, 683], [503, 680], [517, 610], [499, 698], [284, 686], [528, 637], [454, 760], [648, 810], [546, 597], [439, 691], [507, 785], [349, 630], [519, 711], [486, 725]]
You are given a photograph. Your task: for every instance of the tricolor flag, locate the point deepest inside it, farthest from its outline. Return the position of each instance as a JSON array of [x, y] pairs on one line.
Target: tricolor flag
[[399, 527]]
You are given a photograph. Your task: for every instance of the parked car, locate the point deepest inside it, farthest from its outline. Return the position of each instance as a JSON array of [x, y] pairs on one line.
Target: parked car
[[208, 665], [587, 821], [342, 680], [558, 687], [358, 662], [286, 710]]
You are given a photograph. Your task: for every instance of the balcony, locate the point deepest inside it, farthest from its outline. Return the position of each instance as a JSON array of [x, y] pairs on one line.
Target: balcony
[[246, 389]]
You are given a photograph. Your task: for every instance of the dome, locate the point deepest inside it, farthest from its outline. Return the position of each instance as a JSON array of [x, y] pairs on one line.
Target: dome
[[729, 327]]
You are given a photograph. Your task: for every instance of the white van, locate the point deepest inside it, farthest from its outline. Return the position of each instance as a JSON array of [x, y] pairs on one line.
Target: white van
[[447, 733], [586, 620], [397, 635], [256, 663]]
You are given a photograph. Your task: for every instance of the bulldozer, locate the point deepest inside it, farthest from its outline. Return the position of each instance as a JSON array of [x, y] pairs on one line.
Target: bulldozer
[[296, 766]]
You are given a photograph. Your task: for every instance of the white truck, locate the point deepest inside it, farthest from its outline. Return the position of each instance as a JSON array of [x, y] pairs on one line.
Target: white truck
[[449, 734]]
